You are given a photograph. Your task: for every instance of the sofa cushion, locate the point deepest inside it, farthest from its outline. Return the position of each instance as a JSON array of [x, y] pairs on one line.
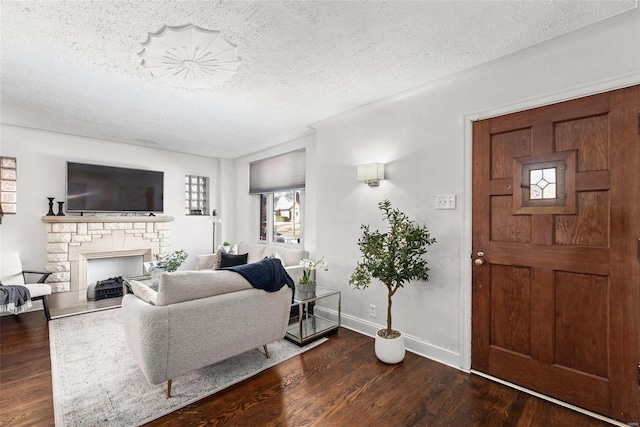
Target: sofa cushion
[[293, 256], [258, 251], [254, 250], [144, 292], [182, 286], [289, 256], [228, 260]]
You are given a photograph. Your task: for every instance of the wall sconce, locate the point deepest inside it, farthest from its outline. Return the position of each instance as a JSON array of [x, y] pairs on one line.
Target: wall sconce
[[371, 173], [8, 188]]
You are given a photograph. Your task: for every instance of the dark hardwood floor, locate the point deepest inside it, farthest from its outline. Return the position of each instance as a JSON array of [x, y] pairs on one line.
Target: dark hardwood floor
[[26, 396], [339, 383]]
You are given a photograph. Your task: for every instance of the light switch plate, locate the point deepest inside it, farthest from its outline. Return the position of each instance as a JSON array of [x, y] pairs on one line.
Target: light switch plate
[[445, 201]]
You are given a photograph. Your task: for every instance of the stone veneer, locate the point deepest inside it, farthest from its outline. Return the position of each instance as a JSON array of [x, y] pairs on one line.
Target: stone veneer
[[74, 240]]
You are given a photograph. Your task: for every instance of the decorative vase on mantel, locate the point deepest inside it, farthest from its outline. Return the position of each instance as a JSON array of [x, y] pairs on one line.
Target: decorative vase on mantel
[[50, 213]]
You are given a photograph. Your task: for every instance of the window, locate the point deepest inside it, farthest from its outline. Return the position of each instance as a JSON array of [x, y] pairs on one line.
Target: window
[[280, 182], [8, 187], [542, 184], [281, 216], [196, 195], [545, 184]]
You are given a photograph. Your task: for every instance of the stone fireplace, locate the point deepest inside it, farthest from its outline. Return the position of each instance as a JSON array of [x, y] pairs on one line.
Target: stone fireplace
[[72, 241]]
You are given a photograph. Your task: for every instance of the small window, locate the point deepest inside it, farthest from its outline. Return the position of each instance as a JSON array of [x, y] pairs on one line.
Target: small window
[[542, 184], [281, 217], [196, 195], [545, 184], [264, 207]]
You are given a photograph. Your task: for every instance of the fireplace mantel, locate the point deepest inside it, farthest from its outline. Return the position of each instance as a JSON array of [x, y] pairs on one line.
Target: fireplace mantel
[[105, 218]]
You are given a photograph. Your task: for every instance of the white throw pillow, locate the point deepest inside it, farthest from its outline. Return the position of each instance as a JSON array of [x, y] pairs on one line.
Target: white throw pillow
[[292, 256], [277, 256], [144, 292], [217, 257]]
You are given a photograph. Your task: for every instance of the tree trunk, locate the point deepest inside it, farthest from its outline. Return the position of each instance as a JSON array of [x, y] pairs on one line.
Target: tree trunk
[[389, 313]]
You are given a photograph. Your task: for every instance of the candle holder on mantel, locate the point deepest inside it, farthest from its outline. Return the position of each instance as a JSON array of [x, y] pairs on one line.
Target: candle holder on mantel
[[50, 213], [60, 213]]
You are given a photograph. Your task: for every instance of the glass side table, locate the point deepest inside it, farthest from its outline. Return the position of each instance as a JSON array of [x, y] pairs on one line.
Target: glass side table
[[315, 318]]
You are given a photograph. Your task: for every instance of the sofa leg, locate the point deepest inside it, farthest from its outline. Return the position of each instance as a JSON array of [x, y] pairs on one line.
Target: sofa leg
[[266, 351], [168, 389]]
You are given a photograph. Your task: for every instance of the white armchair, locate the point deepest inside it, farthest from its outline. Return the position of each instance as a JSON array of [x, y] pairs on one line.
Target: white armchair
[[11, 273]]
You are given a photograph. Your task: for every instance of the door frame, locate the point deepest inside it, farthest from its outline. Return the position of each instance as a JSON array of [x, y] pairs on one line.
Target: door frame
[[574, 92]]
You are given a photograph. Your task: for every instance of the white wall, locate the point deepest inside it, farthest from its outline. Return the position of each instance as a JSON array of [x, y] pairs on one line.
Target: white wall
[[41, 160], [421, 136]]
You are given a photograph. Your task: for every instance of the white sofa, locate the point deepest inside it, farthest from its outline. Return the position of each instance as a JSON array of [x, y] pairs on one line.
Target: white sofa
[[198, 318]]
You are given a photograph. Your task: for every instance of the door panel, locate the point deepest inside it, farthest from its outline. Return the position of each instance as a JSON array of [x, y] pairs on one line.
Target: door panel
[[581, 322], [506, 227], [511, 305], [589, 227], [590, 137], [556, 291]]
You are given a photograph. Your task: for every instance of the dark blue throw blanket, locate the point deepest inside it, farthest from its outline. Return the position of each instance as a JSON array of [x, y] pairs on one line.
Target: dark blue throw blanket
[[267, 274]]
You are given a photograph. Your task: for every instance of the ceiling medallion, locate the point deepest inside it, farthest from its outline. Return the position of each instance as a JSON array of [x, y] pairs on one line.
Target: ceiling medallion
[[190, 57]]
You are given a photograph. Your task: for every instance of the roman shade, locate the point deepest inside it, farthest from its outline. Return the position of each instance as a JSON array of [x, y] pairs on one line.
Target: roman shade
[[278, 173]]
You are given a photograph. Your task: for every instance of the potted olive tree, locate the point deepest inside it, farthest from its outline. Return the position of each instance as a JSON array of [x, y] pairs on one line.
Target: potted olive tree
[[395, 257]]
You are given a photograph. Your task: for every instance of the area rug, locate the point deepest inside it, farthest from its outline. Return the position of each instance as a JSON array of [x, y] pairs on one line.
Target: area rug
[[96, 382]]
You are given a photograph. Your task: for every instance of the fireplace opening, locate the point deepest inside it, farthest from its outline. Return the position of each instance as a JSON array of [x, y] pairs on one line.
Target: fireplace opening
[[99, 269], [109, 288]]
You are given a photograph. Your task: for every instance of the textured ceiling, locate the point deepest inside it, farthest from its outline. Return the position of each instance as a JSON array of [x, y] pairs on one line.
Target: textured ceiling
[[73, 66]]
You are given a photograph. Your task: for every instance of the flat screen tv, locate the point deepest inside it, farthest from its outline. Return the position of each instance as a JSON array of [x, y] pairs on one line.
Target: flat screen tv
[[96, 188]]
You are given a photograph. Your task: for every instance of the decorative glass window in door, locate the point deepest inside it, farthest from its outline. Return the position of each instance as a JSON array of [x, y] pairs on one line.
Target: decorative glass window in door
[[542, 184], [545, 184], [196, 195]]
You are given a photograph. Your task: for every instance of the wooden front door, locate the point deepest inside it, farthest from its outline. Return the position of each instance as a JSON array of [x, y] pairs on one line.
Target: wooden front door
[[556, 242]]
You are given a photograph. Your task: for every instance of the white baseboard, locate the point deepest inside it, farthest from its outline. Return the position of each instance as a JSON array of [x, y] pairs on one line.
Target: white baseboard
[[412, 344]]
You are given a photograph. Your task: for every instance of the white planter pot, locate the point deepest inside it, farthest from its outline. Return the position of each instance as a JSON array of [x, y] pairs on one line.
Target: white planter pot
[[390, 350]]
